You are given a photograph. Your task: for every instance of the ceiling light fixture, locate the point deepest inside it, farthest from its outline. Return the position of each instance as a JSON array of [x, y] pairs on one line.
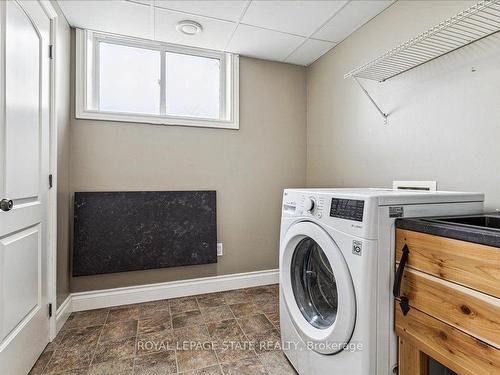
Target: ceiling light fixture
[[189, 27]]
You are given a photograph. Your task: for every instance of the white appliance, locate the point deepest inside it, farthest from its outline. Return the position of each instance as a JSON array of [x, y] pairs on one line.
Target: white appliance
[[337, 269]]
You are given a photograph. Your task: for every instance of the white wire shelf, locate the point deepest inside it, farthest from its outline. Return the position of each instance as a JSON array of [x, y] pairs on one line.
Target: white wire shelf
[[469, 26]]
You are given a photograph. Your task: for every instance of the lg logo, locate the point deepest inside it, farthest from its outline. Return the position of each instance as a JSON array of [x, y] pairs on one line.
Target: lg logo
[[357, 247]]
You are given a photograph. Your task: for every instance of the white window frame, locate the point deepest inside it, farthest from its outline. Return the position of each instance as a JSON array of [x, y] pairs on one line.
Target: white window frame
[[87, 82]]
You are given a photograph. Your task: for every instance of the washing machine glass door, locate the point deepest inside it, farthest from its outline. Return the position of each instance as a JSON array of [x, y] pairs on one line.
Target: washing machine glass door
[[317, 288], [314, 285]]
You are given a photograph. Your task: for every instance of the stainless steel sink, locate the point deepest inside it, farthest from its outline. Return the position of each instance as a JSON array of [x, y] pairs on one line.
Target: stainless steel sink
[[486, 221]]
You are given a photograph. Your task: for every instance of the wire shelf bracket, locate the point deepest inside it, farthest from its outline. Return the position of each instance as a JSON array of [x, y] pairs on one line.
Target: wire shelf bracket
[[475, 23], [382, 113]]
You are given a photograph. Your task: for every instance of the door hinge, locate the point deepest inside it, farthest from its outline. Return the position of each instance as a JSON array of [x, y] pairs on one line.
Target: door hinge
[[50, 181], [51, 51], [50, 310]]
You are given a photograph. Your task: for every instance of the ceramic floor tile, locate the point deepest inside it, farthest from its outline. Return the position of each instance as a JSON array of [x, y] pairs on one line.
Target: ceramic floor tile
[[157, 342], [255, 323], [230, 343], [124, 313], [192, 359], [270, 307], [52, 346], [114, 350], [124, 367], [68, 321], [151, 308], [274, 288], [210, 300], [235, 296], [118, 330], [190, 335], [231, 350], [41, 363], [212, 370], [81, 371], [180, 305], [245, 309], [65, 359], [194, 348], [166, 335], [84, 337], [276, 363], [57, 340], [156, 364], [265, 341], [216, 314], [188, 318], [87, 318], [224, 329], [261, 295], [250, 366], [273, 317], [160, 320]]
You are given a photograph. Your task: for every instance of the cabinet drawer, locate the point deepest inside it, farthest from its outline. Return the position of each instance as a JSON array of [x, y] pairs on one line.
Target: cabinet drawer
[[472, 265], [456, 350], [475, 313]]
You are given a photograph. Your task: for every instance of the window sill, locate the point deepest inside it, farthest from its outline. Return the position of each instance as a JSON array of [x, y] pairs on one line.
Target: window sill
[[158, 120]]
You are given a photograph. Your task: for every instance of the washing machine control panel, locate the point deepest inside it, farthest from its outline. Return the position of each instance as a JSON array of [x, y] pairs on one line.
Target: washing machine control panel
[[349, 209], [304, 204], [349, 213], [311, 205]]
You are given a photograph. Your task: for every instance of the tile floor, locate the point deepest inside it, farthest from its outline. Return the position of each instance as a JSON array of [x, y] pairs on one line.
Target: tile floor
[[229, 333]]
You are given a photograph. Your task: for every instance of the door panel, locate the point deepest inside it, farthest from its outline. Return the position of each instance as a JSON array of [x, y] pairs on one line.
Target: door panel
[[24, 162], [20, 256], [22, 93]]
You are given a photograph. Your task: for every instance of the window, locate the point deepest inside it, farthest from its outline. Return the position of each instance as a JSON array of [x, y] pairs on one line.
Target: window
[[125, 79], [128, 79]]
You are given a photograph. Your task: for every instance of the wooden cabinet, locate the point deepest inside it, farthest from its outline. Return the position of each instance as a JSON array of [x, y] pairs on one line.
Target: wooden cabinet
[[453, 290]]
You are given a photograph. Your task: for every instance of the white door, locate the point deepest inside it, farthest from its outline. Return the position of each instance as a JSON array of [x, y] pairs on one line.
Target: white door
[[318, 288], [24, 158]]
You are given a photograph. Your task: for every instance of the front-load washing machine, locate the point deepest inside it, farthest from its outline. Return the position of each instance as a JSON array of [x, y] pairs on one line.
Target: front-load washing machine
[[336, 273]]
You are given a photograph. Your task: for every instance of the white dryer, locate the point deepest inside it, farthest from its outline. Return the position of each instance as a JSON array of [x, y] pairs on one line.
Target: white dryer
[[336, 274]]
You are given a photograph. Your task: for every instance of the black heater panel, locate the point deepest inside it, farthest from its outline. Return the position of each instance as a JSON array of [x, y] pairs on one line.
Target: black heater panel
[[131, 231]]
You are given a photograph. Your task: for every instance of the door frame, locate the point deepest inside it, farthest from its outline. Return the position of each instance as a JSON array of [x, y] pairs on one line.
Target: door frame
[[52, 194]]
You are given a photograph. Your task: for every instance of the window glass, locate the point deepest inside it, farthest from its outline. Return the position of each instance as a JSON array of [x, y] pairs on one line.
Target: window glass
[[193, 86], [129, 79]]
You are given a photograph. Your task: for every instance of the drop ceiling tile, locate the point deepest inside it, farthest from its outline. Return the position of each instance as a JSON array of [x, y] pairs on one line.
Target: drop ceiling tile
[[215, 34], [230, 10], [350, 18], [262, 43], [309, 52], [120, 17], [295, 17], [145, 2]]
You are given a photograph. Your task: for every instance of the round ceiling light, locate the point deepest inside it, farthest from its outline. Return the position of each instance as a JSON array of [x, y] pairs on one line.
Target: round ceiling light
[[189, 27]]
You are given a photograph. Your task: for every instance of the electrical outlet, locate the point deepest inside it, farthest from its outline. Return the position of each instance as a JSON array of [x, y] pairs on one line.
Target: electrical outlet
[[220, 249]]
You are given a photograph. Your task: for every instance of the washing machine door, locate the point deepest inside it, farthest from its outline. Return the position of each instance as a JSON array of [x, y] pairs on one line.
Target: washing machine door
[[317, 288]]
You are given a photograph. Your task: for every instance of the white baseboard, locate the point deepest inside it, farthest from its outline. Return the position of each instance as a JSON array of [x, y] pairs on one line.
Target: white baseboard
[[63, 313], [173, 289]]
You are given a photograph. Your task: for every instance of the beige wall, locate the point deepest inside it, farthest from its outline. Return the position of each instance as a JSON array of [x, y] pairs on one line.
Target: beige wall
[[248, 168], [63, 153], [443, 122]]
